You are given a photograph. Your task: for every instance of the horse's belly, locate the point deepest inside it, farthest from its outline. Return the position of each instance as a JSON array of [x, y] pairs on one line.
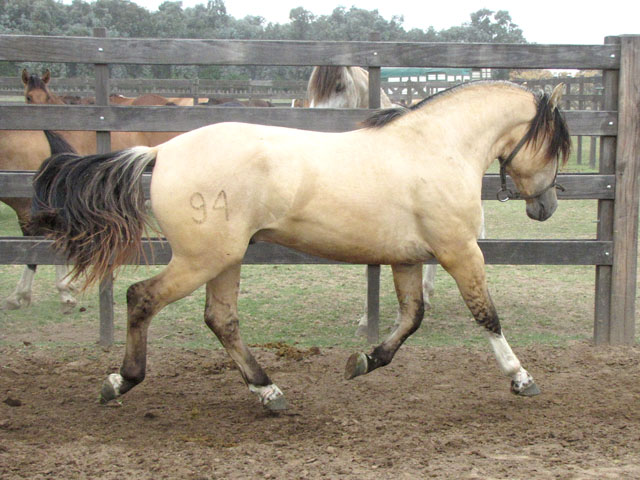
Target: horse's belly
[[350, 247]]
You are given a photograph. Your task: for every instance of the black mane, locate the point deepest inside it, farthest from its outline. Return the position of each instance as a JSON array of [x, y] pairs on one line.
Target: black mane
[[388, 115]]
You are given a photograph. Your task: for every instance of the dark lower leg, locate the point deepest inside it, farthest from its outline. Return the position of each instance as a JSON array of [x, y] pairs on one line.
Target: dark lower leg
[[470, 276], [221, 316], [408, 284]]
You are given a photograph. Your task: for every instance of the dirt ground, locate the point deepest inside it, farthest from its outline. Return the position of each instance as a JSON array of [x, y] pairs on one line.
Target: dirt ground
[[433, 413]]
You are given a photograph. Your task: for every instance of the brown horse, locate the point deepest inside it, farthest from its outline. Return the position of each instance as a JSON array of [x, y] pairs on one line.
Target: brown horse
[[26, 150], [404, 189], [36, 91], [150, 99], [252, 102]]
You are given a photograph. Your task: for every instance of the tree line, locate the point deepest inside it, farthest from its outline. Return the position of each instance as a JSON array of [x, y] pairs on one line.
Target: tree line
[[210, 20]]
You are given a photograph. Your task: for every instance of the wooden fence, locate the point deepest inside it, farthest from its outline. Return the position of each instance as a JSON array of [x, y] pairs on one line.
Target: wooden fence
[[582, 92], [613, 252]]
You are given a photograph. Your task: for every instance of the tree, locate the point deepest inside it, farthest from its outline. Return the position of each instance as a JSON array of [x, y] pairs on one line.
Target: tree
[[301, 21], [486, 26]]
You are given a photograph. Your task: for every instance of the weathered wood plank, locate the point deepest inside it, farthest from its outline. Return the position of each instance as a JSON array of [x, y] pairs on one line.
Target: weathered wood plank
[[625, 220], [578, 186], [21, 250], [275, 52], [161, 119]]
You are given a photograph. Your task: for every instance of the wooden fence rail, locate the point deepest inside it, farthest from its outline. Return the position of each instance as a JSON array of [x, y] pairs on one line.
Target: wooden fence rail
[[398, 91], [613, 252]]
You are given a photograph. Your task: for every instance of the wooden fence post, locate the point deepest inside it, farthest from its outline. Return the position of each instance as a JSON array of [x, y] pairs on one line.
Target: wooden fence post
[[103, 139], [602, 312], [625, 220], [373, 271]]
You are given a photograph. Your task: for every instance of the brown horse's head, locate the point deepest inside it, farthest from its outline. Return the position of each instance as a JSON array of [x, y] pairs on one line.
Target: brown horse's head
[[36, 89]]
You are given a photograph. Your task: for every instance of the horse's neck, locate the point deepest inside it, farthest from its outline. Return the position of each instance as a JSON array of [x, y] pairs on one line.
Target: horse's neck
[[361, 80], [361, 83], [479, 125], [54, 99]]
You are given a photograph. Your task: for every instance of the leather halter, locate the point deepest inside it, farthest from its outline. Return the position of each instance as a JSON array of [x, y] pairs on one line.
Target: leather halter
[[505, 194]]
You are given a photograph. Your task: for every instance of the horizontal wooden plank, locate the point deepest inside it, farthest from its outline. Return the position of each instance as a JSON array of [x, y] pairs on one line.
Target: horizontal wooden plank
[[302, 53], [160, 119], [577, 186], [36, 250]]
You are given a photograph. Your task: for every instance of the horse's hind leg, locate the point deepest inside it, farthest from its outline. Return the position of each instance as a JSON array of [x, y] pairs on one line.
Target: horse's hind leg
[[408, 284], [467, 268], [65, 288], [21, 295], [144, 300], [221, 315], [428, 287], [428, 284]]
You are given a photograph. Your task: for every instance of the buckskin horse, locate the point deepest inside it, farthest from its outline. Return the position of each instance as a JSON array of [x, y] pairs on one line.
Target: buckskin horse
[[403, 189]]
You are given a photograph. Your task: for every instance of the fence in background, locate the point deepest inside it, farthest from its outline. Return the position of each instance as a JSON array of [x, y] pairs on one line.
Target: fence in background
[[613, 252]]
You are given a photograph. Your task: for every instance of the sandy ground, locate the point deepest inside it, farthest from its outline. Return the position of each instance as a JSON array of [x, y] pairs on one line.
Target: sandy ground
[[433, 413]]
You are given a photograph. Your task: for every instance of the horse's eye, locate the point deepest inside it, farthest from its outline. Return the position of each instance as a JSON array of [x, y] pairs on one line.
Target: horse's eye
[[29, 99], [340, 88]]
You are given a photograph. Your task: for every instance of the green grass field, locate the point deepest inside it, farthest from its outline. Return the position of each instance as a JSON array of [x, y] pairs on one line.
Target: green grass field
[[319, 305]]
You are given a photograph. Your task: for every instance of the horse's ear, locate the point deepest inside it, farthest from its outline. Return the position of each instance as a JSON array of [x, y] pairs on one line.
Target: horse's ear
[[556, 95], [46, 76], [25, 76]]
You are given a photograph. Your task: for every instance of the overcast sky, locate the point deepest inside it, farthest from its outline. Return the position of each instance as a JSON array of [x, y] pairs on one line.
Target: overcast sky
[[542, 21]]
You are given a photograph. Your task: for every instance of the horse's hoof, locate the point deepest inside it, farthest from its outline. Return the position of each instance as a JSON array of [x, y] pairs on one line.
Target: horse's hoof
[[111, 388], [530, 390], [278, 404], [16, 303], [271, 397], [356, 366], [8, 305], [68, 308]]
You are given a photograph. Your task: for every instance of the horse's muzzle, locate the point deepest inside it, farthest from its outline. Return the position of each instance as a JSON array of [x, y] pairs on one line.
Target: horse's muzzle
[[542, 207]]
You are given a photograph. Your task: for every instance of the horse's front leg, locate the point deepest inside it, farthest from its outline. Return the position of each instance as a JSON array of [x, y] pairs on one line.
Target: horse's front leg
[[408, 284], [221, 315], [467, 268]]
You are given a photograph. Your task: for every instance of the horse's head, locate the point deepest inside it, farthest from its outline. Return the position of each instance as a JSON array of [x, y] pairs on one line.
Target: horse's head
[[335, 87], [532, 160], [36, 89]]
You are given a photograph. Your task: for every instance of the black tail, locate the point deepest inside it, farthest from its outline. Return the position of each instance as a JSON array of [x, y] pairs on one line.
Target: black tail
[[57, 144], [93, 208]]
